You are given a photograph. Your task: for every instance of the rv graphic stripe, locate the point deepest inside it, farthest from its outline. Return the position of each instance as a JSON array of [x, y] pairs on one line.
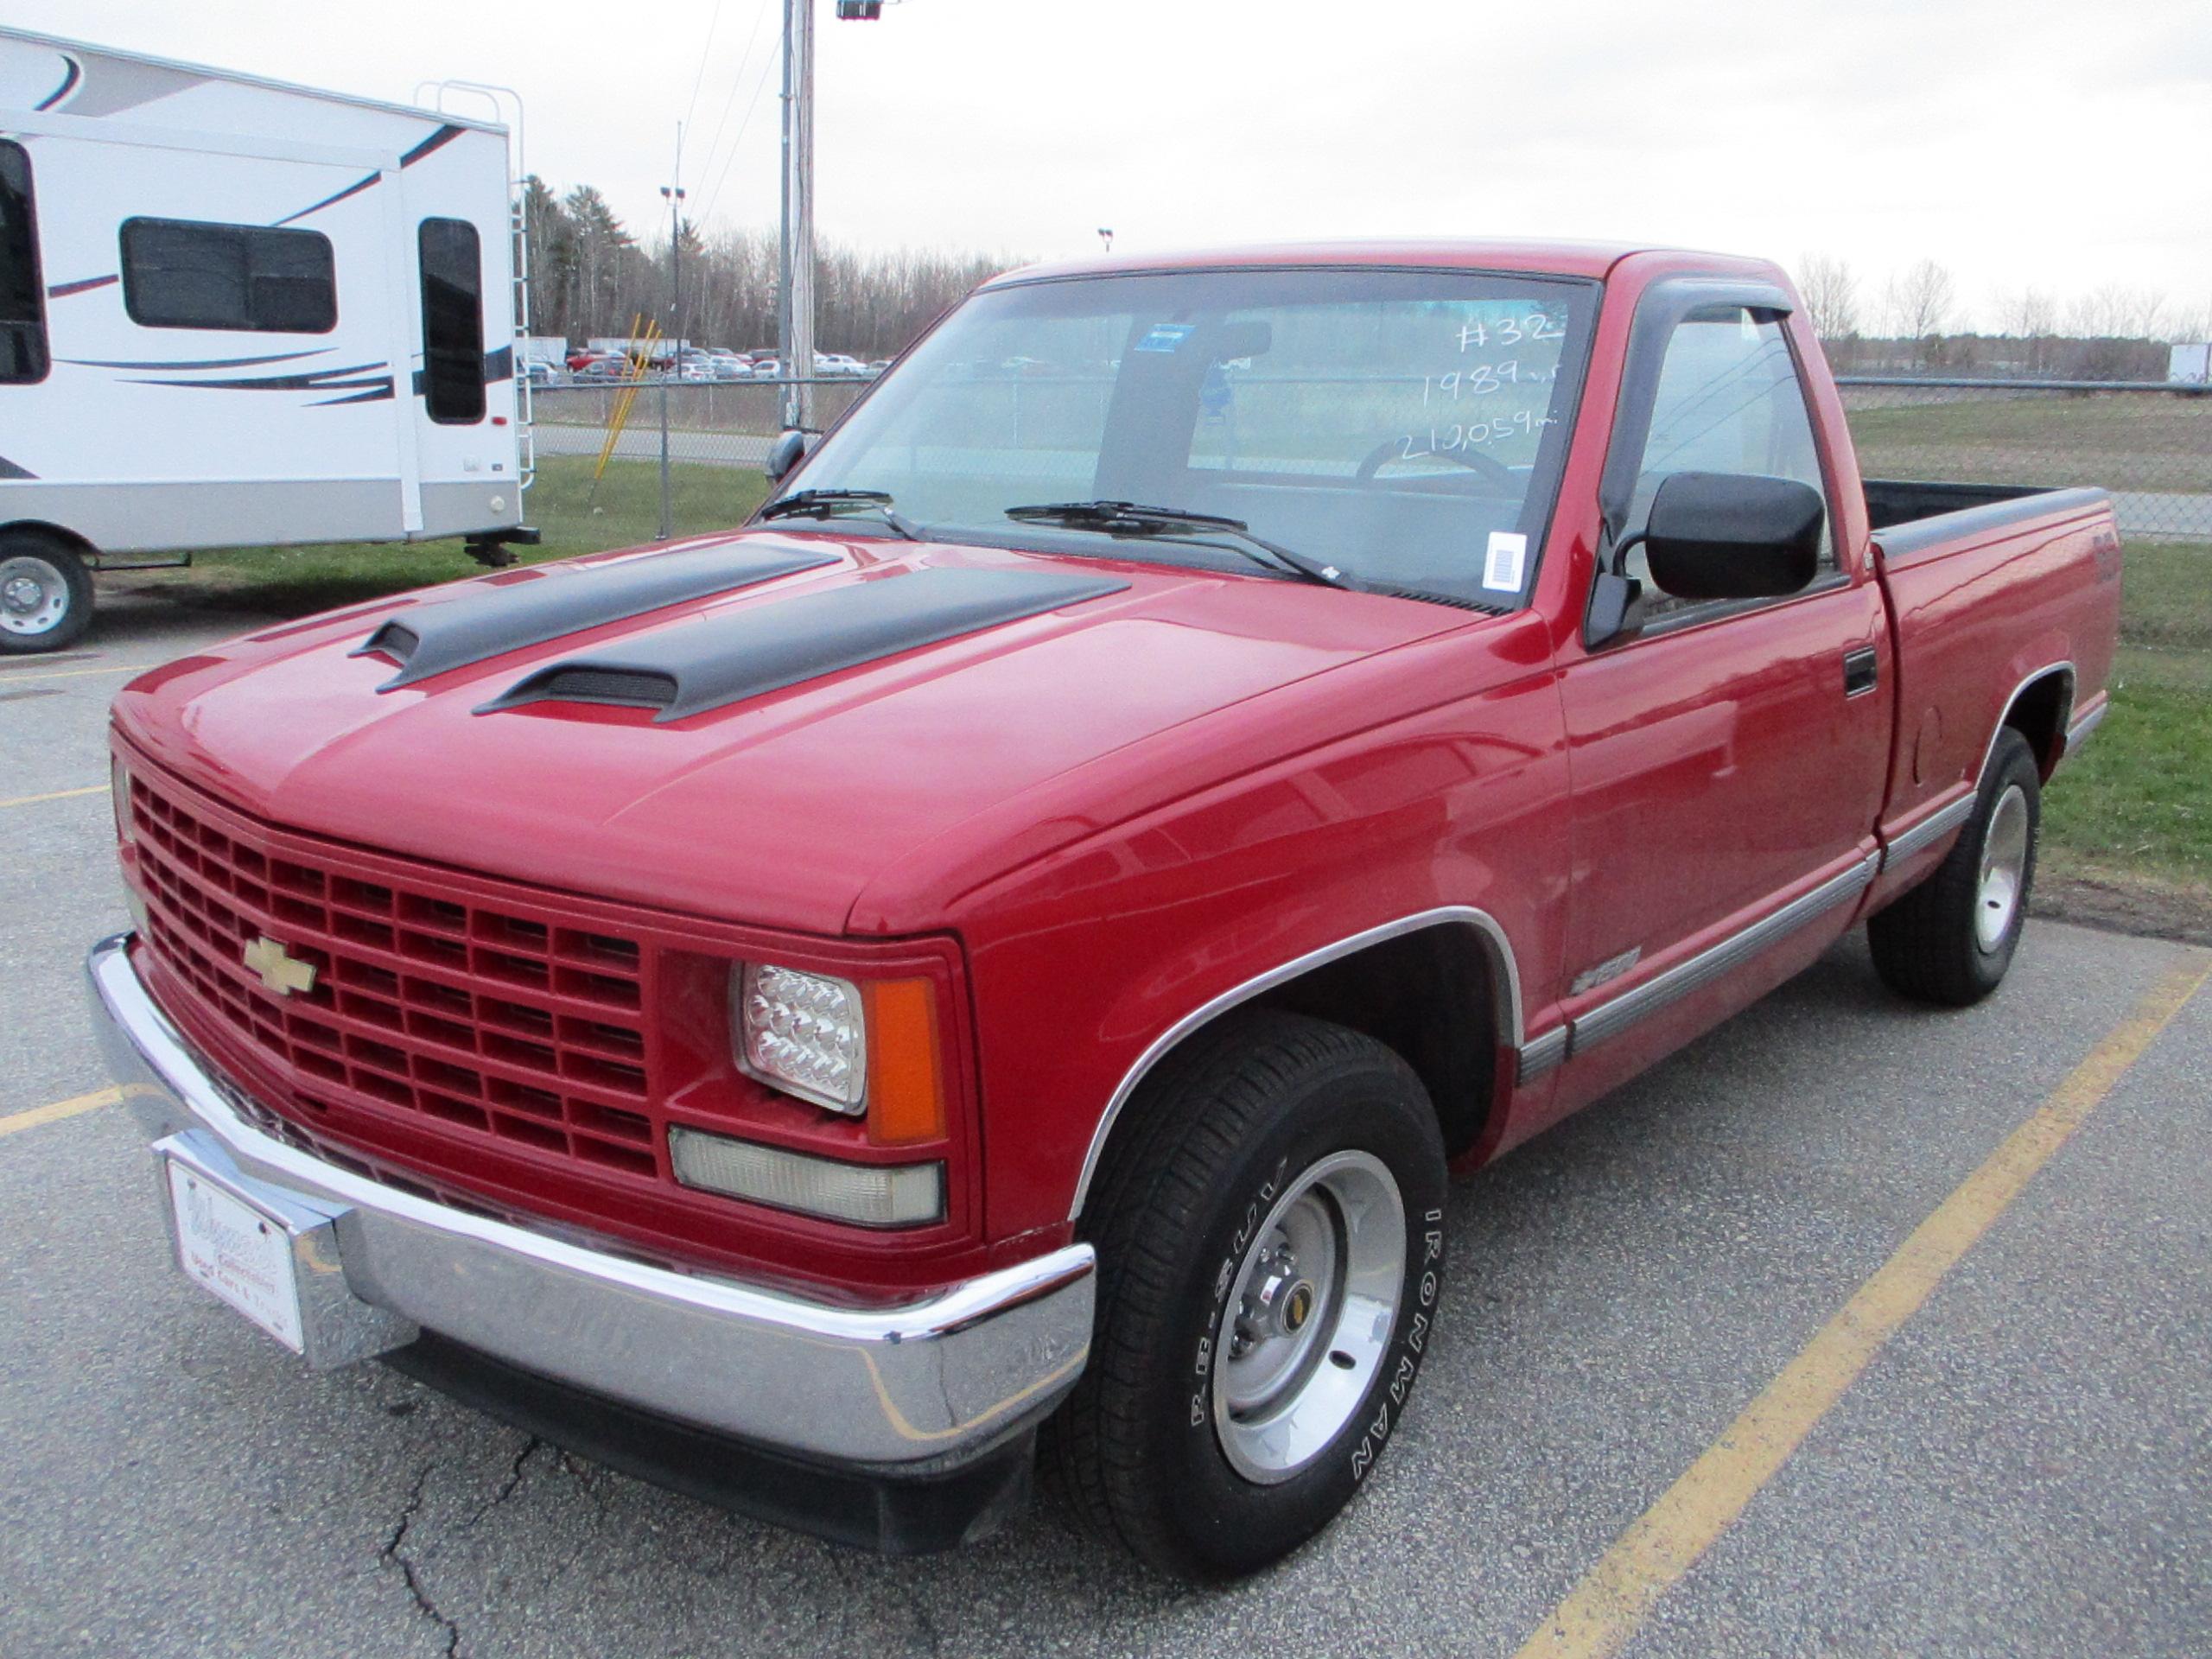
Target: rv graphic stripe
[[8, 470], [198, 363], [314, 380], [69, 84], [353, 189], [381, 392], [437, 140], [444, 136], [498, 365], [63, 290]]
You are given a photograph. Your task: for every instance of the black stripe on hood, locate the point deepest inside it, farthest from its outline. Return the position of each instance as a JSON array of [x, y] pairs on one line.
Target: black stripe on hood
[[723, 659], [452, 634]]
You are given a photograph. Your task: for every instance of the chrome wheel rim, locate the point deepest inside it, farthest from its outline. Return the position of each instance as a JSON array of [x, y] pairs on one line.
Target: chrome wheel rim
[[1311, 1315], [2004, 869], [34, 595]]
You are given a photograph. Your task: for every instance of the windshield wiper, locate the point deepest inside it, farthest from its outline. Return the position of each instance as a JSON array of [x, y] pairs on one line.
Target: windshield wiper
[[1129, 518], [837, 504]]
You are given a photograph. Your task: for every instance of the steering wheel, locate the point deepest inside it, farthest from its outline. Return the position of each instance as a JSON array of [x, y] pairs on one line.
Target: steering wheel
[[1474, 460]]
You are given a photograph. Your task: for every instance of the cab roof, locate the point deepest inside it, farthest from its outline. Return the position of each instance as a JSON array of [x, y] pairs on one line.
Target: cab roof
[[1557, 259]]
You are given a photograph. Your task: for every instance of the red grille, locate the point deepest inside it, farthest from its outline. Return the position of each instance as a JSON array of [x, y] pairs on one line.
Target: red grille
[[515, 1028]]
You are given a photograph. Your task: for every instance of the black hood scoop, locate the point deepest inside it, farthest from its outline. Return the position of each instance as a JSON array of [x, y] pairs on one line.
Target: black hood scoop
[[721, 659], [452, 634]]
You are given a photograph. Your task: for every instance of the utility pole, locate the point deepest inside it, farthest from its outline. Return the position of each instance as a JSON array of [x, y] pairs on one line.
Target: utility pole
[[674, 191], [795, 293]]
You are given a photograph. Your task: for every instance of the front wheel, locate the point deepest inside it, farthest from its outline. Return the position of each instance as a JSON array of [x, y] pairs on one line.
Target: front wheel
[[1271, 1253], [46, 595], [1951, 937]]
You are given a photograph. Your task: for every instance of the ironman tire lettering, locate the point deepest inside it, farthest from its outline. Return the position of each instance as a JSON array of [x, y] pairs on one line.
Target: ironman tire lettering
[[1269, 1221]]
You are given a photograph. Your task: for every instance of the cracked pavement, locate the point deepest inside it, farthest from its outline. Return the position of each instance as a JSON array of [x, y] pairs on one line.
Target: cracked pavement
[[2026, 1469]]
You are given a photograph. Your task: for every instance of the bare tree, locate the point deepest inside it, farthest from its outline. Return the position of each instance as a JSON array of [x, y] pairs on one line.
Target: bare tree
[[2031, 317], [1831, 291], [2117, 311], [1919, 303]]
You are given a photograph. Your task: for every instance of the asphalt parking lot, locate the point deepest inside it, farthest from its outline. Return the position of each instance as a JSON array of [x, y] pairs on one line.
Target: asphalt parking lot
[[2023, 1467]]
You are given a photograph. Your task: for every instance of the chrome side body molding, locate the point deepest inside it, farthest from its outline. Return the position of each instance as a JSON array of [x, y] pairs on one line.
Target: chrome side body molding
[[1930, 830], [1610, 1019]]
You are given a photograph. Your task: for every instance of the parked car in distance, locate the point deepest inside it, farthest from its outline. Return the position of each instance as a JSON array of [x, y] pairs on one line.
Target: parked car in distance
[[767, 368], [954, 974], [879, 365], [540, 373], [608, 368]]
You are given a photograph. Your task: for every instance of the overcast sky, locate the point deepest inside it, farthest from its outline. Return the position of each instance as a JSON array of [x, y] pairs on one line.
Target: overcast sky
[[2047, 142]]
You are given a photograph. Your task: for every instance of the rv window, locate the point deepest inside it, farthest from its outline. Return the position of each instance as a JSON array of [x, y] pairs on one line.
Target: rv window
[[453, 320], [180, 274], [23, 295]]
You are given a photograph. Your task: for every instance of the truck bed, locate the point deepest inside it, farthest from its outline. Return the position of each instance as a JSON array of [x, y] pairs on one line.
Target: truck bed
[[1963, 662]]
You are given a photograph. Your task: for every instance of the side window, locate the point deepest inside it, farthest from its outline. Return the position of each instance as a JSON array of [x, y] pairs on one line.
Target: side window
[[179, 273], [453, 320], [1729, 401], [22, 292]]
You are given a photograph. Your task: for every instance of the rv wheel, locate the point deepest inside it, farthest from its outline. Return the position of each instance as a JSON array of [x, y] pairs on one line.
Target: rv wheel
[[46, 595]]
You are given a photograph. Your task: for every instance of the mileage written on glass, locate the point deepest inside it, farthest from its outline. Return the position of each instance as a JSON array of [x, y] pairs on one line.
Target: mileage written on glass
[[1487, 388]]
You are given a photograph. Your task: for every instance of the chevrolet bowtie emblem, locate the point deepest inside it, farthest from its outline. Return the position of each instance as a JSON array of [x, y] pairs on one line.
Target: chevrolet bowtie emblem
[[280, 971]]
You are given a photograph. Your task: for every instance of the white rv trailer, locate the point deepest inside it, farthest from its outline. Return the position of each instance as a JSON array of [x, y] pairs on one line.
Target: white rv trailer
[[234, 312]]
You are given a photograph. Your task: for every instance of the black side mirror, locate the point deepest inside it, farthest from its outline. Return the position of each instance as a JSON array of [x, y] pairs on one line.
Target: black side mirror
[[1732, 535], [786, 453]]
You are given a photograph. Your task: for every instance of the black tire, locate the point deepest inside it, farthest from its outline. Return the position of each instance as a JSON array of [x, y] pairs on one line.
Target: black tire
[[1240, 1116], [1929, 944], [46, 595]]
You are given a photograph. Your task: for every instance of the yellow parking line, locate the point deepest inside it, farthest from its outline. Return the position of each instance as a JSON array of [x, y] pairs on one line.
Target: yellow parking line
[[1611, 1603], [60, 1109], [54, 795], [20, 677]]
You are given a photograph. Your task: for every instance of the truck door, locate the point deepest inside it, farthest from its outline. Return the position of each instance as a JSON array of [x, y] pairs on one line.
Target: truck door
[[1728, 757]]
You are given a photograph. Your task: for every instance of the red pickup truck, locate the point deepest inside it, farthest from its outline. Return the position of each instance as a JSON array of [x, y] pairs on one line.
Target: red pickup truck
[[1014, 937]]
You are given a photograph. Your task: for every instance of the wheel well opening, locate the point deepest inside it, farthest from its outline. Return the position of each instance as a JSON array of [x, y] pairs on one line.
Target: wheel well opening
[[1431, 996], [39, 530], [2039, 713]]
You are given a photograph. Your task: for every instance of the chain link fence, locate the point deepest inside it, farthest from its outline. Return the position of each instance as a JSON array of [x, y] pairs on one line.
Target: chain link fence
[[599, 450], [600, 471], [2149, 445]]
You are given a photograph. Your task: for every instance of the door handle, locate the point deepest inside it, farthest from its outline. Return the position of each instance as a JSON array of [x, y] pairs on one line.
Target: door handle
[[1862, 670]]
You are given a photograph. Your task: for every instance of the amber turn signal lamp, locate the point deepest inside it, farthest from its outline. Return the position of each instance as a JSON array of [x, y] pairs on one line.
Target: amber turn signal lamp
[[906, 1073]]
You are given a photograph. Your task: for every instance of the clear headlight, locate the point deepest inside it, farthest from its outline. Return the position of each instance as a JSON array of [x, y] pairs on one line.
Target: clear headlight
[[804, 1033], [893, 1195]]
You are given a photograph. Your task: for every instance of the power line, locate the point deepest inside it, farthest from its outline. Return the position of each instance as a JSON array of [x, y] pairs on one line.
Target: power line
[[735, 143], [713, 23], [736, 81]]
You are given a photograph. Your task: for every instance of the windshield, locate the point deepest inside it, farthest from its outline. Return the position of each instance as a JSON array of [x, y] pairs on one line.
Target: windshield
[[1405, 427]]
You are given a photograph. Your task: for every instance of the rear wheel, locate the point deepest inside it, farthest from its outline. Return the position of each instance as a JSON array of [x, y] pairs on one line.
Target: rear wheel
[[46, 595], [1271, 1241], [1950, 939]]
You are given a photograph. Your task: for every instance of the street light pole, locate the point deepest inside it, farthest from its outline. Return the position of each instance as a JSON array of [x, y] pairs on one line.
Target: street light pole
[[795, 293]]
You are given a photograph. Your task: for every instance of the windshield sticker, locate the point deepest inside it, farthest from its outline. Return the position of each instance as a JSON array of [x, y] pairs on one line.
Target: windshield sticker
[[1509, 553], [1167, 336]]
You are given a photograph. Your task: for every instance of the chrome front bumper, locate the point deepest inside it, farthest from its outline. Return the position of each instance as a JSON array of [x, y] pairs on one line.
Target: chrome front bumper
[[918, 1386]]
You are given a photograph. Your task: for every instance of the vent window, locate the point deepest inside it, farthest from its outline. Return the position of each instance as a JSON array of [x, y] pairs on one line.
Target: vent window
[[184, 273]]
